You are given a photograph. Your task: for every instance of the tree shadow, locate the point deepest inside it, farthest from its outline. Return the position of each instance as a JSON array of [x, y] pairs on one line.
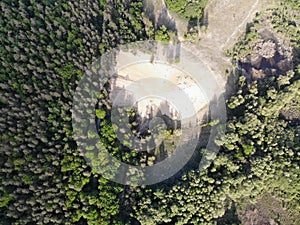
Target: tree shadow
[[149, 10], [164, 19], [204, 20], [195, 21], [230, 217]]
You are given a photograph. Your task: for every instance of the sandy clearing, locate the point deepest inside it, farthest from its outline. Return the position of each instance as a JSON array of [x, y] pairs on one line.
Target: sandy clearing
[[227, 19], [179, 84], [165, 82]]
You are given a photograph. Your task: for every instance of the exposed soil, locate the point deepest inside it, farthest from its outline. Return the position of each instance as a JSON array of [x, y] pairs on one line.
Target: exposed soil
[[226, 20], [266, 211], [291, 112], [268, 58]]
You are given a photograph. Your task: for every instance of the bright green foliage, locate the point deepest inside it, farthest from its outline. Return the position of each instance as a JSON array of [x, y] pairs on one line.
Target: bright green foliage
[[189, 9], [162, 35], [100, 113]]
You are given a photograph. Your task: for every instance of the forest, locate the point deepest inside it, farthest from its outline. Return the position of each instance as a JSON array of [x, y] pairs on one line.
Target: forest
[[45, 48]]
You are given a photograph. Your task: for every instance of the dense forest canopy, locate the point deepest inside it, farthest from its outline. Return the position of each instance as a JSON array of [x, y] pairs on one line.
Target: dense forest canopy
[[45, 47]]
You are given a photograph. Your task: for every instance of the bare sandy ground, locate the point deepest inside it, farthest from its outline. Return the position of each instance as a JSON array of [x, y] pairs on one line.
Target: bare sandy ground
[[150, 78], [162, 82], [227, 19]]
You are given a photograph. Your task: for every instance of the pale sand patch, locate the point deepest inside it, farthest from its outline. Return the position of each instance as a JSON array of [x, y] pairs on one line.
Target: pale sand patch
[[151, 75], [153, 83]]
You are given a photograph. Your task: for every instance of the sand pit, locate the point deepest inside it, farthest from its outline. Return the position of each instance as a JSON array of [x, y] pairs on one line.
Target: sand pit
[[154, 78], [150, 74], [152, 84]]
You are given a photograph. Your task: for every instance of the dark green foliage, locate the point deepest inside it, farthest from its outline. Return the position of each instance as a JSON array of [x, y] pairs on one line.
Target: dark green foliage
[[45, 48]]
